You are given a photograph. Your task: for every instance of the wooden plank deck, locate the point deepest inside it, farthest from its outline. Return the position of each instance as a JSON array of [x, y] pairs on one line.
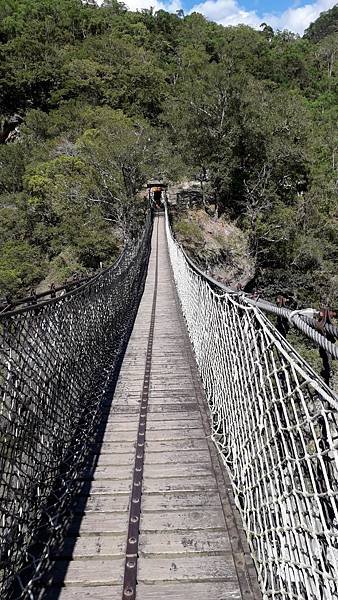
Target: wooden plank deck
[[191, 545]]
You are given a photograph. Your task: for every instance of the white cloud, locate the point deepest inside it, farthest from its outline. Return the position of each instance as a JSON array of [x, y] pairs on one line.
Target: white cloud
[[171, 6], [138, 5], [230, 12], [299, 18], [226, 12]]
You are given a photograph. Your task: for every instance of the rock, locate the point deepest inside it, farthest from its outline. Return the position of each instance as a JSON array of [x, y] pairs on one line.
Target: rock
[[10, 129]]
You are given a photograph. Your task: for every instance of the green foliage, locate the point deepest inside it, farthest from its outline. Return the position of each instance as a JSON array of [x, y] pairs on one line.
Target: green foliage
[[110, 98], [326, 24], [95, 247], [20, 266], [12, 164], [189, 231]]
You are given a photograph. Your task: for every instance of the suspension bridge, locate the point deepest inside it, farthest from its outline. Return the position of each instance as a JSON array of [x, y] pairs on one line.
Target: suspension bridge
[[161, 439]]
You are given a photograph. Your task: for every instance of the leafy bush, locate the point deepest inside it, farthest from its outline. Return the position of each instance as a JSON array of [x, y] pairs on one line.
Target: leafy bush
[[189, 232], [21, 266]]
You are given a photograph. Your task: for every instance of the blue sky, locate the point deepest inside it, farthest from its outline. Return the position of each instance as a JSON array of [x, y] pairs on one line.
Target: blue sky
[[255, 5], [295, 15]]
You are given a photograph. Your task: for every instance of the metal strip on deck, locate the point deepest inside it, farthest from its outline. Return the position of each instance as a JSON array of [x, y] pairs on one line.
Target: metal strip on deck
[[188, 540], [132, 549]]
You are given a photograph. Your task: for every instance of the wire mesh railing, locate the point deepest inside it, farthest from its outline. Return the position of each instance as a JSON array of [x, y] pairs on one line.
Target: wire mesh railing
[[58, 363], [275, 424], [8, 304], [322, 332]]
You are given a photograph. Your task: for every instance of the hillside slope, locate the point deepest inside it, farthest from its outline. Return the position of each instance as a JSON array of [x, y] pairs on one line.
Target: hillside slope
[[216, 245]]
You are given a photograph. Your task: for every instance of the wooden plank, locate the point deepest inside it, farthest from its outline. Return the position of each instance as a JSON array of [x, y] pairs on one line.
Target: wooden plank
[[123, 410], [177, 470], [92, 572], [94, 546], [132, 372], [107, 503], [176, 445], [165, 399], [174, 434], [102, 523], [120, 486], [127, 374], [185, 591], [180, 500], [128, 401], [167, 327], [113, 426], [128, 391], [209, 518], [115, 447], [184, 457], [175, 394], [173, 416], [185, 424], [174, 381], [113, 459], [176, 352], [158, 434], [169, 370], [188, 568], [122, 417], [190, 542], [165, 388], [124, 396], [131, 376], [99, 592], [168, 406], [180, 484], [108, 546], [107, 472], [120, 436], [158, 363]]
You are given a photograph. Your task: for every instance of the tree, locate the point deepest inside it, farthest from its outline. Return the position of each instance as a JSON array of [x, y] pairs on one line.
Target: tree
[[21, 266], [267, 31], [327, 52], [326, 24], [123, 154]]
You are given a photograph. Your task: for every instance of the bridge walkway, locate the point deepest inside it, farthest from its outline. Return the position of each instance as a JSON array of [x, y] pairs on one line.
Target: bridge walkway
[[190, 545]]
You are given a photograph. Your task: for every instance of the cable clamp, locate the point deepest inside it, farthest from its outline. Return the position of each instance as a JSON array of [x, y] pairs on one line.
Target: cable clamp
[[311, 313]]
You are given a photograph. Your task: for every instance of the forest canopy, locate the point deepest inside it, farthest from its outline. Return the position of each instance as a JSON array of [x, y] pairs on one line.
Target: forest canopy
[[96, 100]]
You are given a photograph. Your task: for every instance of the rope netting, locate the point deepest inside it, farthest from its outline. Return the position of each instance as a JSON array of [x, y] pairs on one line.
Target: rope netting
[[58, 364], [276, 426]]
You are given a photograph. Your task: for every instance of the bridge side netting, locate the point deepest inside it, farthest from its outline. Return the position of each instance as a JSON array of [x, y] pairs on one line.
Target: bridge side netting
[[58, 362], [276, 426]]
